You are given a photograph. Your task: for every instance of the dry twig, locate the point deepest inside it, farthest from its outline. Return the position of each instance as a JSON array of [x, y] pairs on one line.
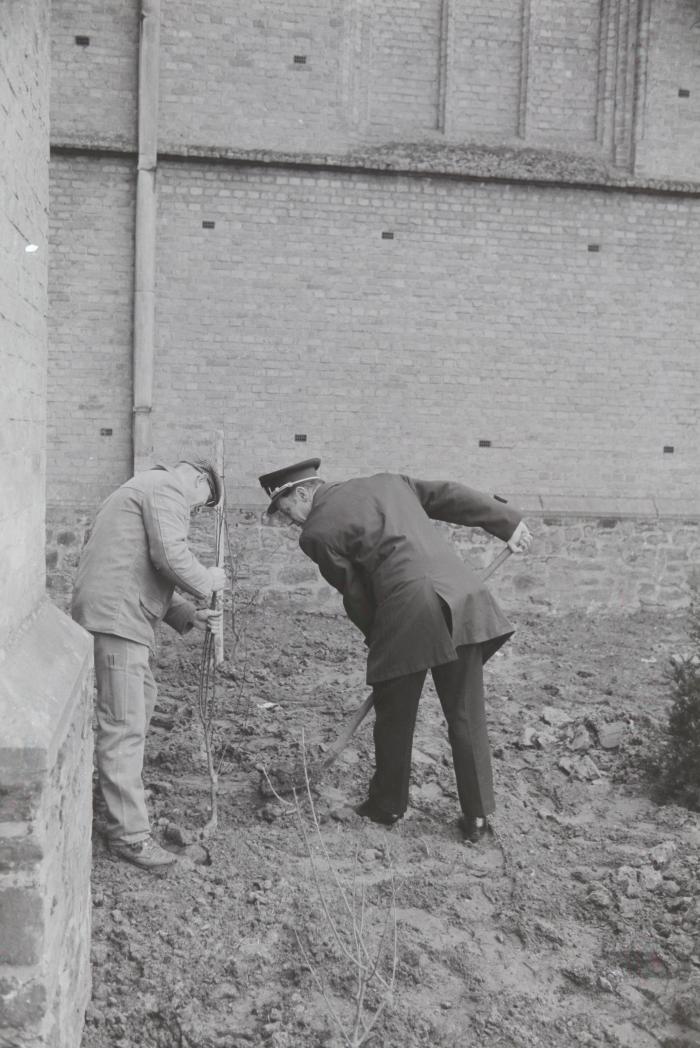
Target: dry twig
[[349, 932]]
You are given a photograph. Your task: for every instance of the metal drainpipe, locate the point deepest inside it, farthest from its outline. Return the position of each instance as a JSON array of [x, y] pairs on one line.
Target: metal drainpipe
[[145, 235]]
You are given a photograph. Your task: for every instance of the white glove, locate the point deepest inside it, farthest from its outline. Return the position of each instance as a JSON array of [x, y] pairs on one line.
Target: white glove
[[521, 539], [208, 619]]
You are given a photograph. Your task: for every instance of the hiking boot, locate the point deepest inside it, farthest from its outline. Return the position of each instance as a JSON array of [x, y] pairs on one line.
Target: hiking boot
[[473, 828], [146, 854], [369, 810]]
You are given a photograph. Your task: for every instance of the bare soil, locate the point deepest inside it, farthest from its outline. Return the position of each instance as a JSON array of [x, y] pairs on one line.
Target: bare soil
[[575, 923]]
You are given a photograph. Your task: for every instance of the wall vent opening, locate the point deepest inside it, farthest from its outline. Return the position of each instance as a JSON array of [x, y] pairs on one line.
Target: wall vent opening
[[484, 443], [82, 41], [208, 224]]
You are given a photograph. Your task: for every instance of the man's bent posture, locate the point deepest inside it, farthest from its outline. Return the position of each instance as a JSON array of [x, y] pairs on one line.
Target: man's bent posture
[[419, 606]]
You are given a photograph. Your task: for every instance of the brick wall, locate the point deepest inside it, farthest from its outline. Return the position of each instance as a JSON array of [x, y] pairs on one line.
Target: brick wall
[[669, 110], [45, 831], [46, 682], [485, 318], [563, 70], [481, 38], [90, 325], [336, 77], [558, 324], [23, 221], [93, 85]]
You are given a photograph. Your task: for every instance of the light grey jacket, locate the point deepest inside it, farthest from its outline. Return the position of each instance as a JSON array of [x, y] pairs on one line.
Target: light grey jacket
[[136, 555]]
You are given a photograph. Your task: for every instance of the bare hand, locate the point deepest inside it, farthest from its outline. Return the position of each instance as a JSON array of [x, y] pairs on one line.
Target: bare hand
[[208, 618], [521, 539], [217, 579]]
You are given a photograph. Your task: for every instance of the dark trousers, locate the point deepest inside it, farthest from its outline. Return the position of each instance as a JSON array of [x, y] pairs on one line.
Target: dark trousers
[[460, 688]]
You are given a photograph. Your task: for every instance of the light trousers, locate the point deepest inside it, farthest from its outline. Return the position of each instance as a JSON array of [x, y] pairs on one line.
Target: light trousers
[[460, 688], [126, 696]]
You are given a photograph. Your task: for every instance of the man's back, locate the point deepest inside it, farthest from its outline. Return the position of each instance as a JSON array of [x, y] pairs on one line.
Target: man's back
[[136, 553], [374, 540]]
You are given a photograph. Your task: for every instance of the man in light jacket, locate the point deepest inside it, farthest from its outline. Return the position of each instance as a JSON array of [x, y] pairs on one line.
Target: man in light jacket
[[136, 555], [419, 607]]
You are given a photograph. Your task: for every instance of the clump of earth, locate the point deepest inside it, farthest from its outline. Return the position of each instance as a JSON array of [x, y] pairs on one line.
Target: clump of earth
[[298, 923]]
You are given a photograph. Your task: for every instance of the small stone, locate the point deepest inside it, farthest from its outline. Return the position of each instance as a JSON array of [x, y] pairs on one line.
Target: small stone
[[370, 855], [671, 888], [610, 735], [528, 738], [587, 768], [198, 854], [343, 814], [581, 739], [661, 854], [682, 946], [626, 877], [555, 717], [679, 904], [605, 984], [649, 879], [600, 897]]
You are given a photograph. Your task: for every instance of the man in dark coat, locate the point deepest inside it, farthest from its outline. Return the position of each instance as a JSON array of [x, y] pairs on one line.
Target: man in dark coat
[[419, 607]]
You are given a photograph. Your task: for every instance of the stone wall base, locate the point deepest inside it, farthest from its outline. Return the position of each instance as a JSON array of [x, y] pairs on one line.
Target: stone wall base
[[45, 832], [588, 561]]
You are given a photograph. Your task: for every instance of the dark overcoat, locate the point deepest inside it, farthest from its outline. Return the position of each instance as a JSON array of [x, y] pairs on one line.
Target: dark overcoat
[[403, 582]]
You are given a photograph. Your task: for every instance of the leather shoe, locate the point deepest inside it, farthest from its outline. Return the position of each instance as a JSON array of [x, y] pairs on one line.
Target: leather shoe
[[146, 854], [369, 810], [473, 828]]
